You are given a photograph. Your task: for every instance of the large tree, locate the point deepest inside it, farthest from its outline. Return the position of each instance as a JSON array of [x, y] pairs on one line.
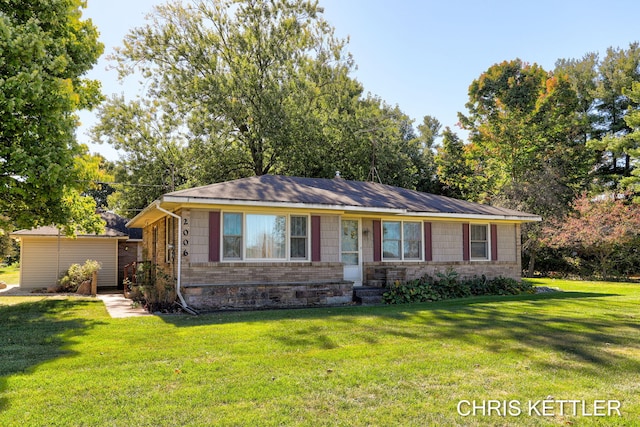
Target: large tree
[[453, 169], [252, 79], [526, 140], [583, 77], [617, 72], [249, 87], [45, 49], [523, 123], [155, 156], [629, 143]]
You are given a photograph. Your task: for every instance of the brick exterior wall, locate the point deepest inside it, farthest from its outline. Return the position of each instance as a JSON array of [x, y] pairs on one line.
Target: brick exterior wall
[[465, 269], [215, 273]]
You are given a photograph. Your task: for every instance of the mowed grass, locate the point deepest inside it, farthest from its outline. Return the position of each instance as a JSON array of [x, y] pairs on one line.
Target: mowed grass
[[10, 274], [66, 362]]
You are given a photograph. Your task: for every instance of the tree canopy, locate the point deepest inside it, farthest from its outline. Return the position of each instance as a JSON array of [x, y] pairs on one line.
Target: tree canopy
[[604, 87], [525, 136], [526, 150], [241, 88], [252, 79], [46, 48]]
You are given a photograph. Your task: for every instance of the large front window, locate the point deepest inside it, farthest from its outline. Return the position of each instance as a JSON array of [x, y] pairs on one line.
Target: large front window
[[401, 240], [264, 237]]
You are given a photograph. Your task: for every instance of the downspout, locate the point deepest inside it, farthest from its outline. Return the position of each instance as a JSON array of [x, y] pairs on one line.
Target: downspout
[[57, 257], [183, 303]]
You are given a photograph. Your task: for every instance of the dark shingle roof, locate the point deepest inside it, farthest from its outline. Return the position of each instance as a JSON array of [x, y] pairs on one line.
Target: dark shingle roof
[[338, 192], [115, 227]]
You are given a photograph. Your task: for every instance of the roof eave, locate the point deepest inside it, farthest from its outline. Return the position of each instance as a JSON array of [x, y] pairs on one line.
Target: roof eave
[[133, 223], [286, 205], [483, 217], [342, 208]]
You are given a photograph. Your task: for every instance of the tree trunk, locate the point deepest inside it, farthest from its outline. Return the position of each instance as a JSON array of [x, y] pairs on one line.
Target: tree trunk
[[532, 264]]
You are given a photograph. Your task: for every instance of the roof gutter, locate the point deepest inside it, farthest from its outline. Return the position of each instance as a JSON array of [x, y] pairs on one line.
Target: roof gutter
[[354, 209], [183, 303]]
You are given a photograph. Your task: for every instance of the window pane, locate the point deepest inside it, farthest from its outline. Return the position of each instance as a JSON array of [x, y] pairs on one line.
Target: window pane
[[412, 249], [232, 247], [232, 224], [298, 226], [412, 240], [350, 259], [479, 250], [391, 230], [391, 240], [232, 236], [479, 232], [391, 249], [412, 231], [265, 236], [299, 247], [349, 236]]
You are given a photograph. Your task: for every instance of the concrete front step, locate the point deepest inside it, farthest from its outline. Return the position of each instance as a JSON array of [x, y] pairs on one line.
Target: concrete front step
[[370, 300], [375, 283], [368, 295]]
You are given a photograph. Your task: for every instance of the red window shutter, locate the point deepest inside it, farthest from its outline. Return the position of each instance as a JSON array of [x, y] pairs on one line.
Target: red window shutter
[[377, 241], [428, 247], [214, 236], [315, 239], [494, 242], [465, 242]]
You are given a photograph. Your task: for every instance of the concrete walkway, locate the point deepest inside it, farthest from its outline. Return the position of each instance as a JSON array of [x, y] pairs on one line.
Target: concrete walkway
[[117, 305]]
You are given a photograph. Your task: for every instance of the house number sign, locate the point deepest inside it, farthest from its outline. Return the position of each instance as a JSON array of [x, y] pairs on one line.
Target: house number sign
[[185, 233]]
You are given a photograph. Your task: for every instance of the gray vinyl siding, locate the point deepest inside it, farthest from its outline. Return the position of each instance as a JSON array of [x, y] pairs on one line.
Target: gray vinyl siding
[[199, 236], [446, 240], [508, 238]]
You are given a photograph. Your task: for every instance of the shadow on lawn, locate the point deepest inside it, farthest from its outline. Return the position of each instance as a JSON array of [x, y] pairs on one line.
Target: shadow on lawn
[[581, 334], [35, 332]]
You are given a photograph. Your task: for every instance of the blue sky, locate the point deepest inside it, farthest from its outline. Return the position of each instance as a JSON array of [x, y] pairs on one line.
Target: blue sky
[[422, 55]]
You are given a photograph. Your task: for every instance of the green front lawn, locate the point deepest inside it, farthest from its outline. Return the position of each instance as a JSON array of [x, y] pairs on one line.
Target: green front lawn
[[65, 362]]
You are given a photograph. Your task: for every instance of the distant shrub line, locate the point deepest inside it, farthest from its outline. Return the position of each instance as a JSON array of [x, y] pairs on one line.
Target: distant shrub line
[[448, 286]]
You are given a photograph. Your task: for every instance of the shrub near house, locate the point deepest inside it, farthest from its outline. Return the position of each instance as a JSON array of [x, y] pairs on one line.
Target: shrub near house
[[448, 286], [77, 275]]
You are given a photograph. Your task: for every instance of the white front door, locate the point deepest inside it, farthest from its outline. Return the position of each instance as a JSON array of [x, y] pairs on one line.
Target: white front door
[[351, 254]]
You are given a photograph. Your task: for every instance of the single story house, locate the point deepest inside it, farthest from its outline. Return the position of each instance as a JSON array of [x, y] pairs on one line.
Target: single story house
[[280, 241], [46, 253]]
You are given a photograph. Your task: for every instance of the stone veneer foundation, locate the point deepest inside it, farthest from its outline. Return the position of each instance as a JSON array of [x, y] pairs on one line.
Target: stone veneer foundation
[[262, 296]]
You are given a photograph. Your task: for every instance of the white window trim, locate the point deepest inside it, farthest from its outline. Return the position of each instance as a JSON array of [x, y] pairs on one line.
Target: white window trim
[[244, 258], [402, 258], [289, 237], [169, 252], [488, 228], [359, 250]]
